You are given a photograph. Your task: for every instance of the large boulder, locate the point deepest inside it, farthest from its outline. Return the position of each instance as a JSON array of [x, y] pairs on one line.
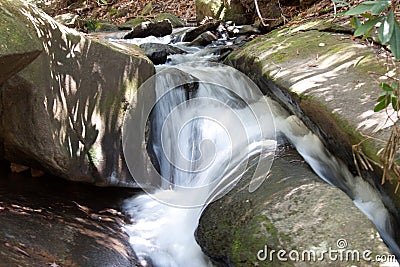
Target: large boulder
[[319, 73], [192, 34], [158, 53], [63, 113], [294, 211], [321, 76]]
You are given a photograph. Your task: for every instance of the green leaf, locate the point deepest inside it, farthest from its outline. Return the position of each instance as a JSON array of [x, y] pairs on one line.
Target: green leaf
[[395, 40], [358, 10], [375, 7], [367, 26], [381, 105], [367, 16], [386, 29], [386, 87], [355, 22], [383, 96], [379, 7]]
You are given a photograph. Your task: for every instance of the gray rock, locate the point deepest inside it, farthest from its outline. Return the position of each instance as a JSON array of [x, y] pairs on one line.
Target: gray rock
[[18, 48], [148, 28], [63, 112], [70, 20], [240, 40], [247, 29], [329, 112], [204, 39], [158, 53], [292, 210], [195, 32]]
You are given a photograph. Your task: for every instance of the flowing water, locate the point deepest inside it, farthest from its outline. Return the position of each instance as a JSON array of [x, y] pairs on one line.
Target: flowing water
[[209, 124]]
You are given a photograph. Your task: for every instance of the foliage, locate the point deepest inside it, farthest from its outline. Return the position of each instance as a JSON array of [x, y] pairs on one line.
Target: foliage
[[389, 96], [379, 17], [378, 14]]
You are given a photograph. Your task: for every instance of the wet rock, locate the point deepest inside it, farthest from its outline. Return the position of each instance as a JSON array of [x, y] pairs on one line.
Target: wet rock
[[247, 29], [204, 39], [242, 30], [178, 34], [60, 224], [330, 113], [194, 33], [283, 75], [70, 20], [241, 40], [293, 210], [62, 114], [221, 51], [158, 53], [148, 28]]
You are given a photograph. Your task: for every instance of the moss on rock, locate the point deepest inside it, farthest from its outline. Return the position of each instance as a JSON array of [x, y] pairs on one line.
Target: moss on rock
[[292, 210], [319, 62]]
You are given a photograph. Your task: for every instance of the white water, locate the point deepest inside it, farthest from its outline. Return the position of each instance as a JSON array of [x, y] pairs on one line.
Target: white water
[[204, 140], [365, 196]]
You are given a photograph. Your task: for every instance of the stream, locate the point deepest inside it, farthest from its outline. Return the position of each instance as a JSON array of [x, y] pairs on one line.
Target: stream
[[205, 127]]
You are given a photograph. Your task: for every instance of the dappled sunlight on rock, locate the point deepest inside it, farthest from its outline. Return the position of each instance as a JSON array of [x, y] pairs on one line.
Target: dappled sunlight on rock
[[328, 69], [82, 86], [376, 121]]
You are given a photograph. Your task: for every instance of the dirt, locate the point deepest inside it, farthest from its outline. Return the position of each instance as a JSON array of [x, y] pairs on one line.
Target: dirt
[[120, 11]]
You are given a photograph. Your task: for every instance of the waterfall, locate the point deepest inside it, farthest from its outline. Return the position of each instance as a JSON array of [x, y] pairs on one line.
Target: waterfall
[[206, 124], [206, 131]]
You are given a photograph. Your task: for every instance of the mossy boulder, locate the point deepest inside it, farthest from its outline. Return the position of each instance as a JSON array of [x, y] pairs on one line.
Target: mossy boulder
[[293, 210], [63, 112], [15, 54], [319, 73]]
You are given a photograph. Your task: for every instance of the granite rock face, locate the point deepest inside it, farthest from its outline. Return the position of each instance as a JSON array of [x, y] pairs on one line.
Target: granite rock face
[[63, 112], [294, 211]]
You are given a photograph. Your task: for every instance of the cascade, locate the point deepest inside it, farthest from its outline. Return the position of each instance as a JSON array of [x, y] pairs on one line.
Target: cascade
[[207, 125]]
